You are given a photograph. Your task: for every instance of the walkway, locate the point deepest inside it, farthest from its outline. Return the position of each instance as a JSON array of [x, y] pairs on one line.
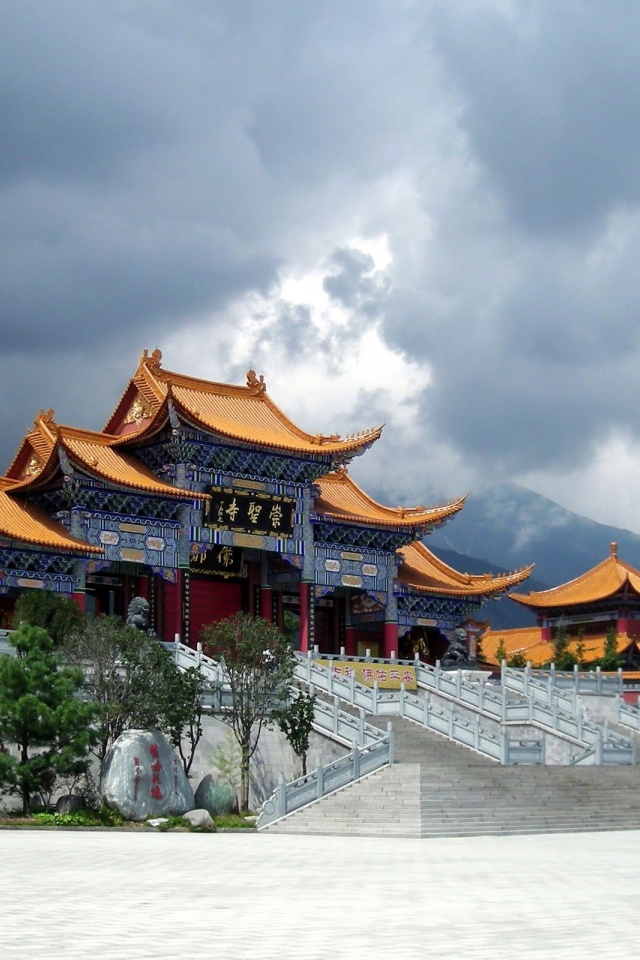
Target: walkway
[[119, 896]]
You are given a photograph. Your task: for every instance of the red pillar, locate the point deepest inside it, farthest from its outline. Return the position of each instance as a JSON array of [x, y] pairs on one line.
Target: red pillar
[[173, 608], [545, 632], [350, 647], [304, 616], [81, 600], [390, 640], [142, 587], [266, 608]]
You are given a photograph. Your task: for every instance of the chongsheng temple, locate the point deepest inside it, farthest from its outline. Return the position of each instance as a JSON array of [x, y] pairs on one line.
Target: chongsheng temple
[[205, 499]]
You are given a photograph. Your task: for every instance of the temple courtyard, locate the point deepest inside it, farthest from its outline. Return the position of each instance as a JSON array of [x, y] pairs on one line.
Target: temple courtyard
[[110, 895]]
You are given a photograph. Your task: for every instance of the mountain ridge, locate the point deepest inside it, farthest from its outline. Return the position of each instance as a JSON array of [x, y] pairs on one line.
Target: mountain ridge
[[510, 527]]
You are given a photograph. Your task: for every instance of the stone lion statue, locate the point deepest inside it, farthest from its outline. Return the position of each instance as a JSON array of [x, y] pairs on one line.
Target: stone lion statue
[[138, 614], [457, 654]]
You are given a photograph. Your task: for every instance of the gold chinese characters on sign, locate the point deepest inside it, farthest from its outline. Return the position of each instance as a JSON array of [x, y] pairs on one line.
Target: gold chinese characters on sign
[[219, 561], [243, 511], [388, 676]]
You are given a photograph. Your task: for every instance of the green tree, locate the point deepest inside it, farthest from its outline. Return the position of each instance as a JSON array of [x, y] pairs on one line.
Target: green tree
[[517, 660], [42, 716], [56, 614], [501, 651], [134, 682], [296, 722], [257, 664], [226, 760], [610, 659], [563, 658]]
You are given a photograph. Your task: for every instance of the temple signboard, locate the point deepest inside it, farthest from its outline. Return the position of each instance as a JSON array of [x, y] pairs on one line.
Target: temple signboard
[[240, 511], [386, 676], [219, 561]]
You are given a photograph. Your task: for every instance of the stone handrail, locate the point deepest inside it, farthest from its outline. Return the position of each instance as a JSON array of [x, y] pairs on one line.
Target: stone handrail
[[185, 657], [628, 716], [476, 697], [561, 715], [361, 761], [6, 647], [548, 683], [424, 710], [330, 720]]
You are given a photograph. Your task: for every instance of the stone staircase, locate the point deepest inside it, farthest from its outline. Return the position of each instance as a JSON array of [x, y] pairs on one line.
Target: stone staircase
[[439, 789]]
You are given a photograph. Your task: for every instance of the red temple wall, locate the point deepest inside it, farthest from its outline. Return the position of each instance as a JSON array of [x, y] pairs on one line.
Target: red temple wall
[[211, 600]]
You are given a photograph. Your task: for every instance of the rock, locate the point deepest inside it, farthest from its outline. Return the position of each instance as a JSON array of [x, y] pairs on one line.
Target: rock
[[201, 819], [69, 803], [216, 796], [142, 777]]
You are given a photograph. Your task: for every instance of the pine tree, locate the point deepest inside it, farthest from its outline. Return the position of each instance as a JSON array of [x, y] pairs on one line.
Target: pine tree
[[296, 722], [41, 716], [562, 656], [501, 651], [610, 659]]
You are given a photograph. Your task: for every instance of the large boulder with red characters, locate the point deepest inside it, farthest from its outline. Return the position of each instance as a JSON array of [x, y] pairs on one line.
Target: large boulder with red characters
[[142, 776]]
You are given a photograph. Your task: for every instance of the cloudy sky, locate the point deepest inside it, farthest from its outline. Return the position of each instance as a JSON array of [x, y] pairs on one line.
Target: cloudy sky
[[420, 213]]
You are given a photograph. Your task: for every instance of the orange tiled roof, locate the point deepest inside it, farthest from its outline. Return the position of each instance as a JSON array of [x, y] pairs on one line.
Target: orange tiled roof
[[93, 451], [342, 499], [601, 582], [20, 520], [528, 641], [97, 453], [245, 414], [423, 571]]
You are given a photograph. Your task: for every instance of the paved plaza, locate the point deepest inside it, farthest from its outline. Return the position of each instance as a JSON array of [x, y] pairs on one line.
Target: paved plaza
[[121, 895]]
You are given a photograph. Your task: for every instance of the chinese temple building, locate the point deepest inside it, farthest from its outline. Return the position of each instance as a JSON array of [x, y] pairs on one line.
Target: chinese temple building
[[205, 499], [587, 608]]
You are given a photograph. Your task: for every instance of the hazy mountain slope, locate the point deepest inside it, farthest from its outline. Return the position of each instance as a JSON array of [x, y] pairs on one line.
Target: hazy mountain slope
[[512, 526]]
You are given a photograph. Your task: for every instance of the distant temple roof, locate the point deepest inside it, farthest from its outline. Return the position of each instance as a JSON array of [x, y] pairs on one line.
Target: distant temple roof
[[601, 582], [245, 414], [528, 642], [342, 499], [424, 572]]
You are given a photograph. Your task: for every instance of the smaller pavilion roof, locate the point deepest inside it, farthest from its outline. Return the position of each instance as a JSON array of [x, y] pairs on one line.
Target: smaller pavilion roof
[[342, 499], [528, 641], [95, 452], [600, 583], [245, 414], [24, 522], [424, 572]]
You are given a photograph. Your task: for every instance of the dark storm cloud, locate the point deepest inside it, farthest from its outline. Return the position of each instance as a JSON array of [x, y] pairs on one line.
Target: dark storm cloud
[[355, 282], [164, 162], [552, 106]]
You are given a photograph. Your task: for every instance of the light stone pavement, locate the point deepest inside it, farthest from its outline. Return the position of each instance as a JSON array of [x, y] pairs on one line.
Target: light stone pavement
[[121, 895]]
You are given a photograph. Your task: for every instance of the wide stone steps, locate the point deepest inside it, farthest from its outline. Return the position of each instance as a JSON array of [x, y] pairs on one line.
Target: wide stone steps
[[452, 791]]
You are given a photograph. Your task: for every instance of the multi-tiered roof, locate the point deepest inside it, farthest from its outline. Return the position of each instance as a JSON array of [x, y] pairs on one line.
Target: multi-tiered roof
[[243, 418]]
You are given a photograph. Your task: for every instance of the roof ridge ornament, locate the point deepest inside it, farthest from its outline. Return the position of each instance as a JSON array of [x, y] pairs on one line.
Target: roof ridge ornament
[[44, 416], [256, 386], [154, 361]]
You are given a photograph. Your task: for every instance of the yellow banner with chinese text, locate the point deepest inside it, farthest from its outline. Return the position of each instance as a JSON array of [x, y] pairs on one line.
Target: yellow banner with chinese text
[[389, 676]]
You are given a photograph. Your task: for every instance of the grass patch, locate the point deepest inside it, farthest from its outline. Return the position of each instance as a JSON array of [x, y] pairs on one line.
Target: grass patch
[[105, 817], [233, 821]]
